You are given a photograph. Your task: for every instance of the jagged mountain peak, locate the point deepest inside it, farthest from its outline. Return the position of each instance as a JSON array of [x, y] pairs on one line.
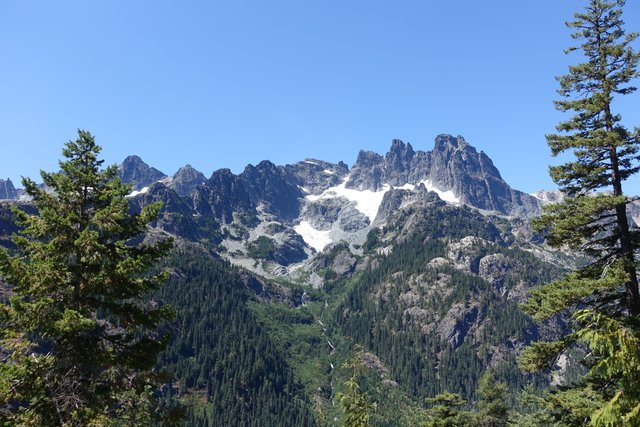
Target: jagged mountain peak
[[219, 173], [323, 203], [186, 169], [185, 180], [400, 149], [453, 166], [7, 190], [265, 166], [315, 176], [457, 166], [133, 158], [368, 158], [446, 141], [136, 172]]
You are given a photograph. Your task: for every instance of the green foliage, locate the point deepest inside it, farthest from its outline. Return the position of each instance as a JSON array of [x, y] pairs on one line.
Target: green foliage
[[606, 154], [615, 356], [572, 406], [576, 288], [530, 411], [603, 296], [300, 336], [80, 333], [354, 402], [419, 358], [543, 354], [262, 248], [228, 367], [446, 411], [492, 406], [373, 240]]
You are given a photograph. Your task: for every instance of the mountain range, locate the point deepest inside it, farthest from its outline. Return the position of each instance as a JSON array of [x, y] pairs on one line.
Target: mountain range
[[302, 208], [420, 258]]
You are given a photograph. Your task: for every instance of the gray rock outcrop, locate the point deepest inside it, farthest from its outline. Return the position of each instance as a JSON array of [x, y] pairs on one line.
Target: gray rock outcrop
[[7, 190], [139, 174], [185, 180], [471, 175]]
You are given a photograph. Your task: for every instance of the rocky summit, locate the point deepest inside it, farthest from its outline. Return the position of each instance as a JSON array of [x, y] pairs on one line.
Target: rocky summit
[[137, 173], [7, 190]]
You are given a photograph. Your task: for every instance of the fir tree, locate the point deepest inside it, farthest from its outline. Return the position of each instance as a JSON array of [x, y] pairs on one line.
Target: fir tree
[[593, 219], [446, 411], [354, 401], [79, 334], [492, 409]]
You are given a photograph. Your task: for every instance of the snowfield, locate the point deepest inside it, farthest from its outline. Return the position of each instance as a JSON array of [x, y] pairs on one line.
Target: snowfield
[[366, 201], [317, 239], [137, 192]]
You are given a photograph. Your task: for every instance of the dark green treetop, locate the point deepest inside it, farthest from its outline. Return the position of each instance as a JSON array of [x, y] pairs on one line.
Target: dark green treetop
[[492, 407], [445, 411], [78, 334]]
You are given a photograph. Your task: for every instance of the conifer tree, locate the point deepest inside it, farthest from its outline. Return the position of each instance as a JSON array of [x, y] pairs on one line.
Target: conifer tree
[[446, 411], [603, 296], [78, 335], [354, 401], [492, 408]]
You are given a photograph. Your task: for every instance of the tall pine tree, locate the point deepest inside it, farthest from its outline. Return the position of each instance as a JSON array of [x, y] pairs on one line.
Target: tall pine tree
[[78, 336], [602, 296]]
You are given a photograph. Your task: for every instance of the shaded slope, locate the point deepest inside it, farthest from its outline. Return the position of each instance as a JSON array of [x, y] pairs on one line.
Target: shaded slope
[[221, 356]]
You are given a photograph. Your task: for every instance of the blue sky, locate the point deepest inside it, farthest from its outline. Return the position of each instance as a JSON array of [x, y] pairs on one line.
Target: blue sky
[[225, 83]]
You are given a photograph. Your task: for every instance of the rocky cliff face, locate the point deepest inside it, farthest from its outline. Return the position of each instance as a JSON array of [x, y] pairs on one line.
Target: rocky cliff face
[[139, 174], [273, 189], [7, 190], [185, 180], [263, 188], [315, 176], [176, 214], [453, 167], [222, 196], [458, 167], [549, 196]]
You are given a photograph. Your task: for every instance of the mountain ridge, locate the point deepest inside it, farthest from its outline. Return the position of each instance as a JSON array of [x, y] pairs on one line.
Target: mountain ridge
[[295, 211]]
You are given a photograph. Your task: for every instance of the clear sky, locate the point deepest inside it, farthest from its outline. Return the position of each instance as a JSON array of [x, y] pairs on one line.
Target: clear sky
[[223, 83]]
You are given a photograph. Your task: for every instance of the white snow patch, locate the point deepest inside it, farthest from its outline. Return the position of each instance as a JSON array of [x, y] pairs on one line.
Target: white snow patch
[[329, 172], [311, 162], [317, 239], [137, 192], [407, 187], [366, 201], [447, 196]]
